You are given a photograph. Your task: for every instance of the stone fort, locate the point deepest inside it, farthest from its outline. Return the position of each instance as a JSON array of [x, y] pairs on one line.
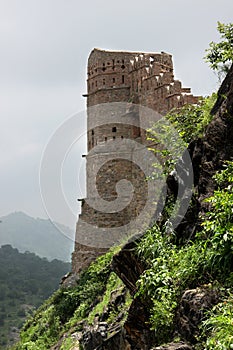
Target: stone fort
[[138, 78]]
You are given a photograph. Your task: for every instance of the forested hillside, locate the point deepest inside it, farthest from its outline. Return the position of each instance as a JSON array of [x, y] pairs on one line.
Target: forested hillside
[[26, 280]]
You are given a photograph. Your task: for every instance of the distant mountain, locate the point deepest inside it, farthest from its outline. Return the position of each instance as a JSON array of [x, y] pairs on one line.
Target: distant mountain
[[26, 280], [37, 236]]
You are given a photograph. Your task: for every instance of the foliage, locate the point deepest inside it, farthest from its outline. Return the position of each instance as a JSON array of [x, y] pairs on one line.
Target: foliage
[[26, 281], [170, 137], [68, 344], [172, 269], [168, 146], [68, 307], [190, 121], [113, 283], [220, 55], [218, 226], [218, 328]]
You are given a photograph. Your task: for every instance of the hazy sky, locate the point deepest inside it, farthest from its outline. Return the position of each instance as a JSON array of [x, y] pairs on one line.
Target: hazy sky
[[44, 49]]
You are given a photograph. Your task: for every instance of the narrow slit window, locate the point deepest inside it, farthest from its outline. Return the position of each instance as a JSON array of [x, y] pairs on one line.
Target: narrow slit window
[[123, 79]]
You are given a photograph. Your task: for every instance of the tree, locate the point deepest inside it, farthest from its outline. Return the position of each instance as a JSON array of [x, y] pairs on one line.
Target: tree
[[220, 55]]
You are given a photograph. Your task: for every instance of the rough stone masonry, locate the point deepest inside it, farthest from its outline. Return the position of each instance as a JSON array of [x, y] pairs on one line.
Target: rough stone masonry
[[140, 78]]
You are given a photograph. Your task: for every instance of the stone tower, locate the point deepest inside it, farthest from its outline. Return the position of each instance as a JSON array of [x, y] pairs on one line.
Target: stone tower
[[144, 79]]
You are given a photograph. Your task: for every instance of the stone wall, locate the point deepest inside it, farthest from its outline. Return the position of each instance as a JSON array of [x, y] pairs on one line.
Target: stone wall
[[130, 77]]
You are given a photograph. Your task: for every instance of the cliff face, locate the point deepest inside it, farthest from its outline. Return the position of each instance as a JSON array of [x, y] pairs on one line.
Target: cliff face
[[208, 155]]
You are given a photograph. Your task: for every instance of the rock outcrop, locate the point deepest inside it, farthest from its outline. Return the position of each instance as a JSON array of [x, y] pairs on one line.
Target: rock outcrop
[[130, 328], [208, 155], [192, 307]]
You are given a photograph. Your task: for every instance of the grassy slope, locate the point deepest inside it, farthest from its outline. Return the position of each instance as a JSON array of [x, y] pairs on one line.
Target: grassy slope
[[171, 270]]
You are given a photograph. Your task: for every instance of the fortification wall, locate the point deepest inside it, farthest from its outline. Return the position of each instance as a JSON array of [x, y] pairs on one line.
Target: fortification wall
[[143, 78]]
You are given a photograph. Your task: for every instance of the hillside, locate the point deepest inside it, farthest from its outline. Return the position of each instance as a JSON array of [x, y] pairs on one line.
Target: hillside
[[38, 236], [170, 289], [26, 281]]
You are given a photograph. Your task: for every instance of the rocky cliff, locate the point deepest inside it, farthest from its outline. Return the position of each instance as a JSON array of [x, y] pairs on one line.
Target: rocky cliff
[[106, 309], [208, 155]]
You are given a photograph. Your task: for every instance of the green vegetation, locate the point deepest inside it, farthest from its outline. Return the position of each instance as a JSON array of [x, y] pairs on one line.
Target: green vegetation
[[173, 133], [190, 121], [218, 226], [26, 281], [219, 326], [220, 55], [68, 308], [207, 260], [172, 269]]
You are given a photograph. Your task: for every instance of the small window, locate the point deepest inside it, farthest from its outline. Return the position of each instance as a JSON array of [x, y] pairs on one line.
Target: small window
[[122, 137], [103, 81], [123, 66], [114, 129], [114, 137], [113, 80], [123, 79], [92, 132], [105, 139]]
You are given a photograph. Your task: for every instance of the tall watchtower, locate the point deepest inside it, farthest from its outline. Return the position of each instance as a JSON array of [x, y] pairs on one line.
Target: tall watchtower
[[113, 76]]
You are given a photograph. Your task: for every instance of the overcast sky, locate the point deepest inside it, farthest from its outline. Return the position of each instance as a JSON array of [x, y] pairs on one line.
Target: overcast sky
[[44, 49]]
